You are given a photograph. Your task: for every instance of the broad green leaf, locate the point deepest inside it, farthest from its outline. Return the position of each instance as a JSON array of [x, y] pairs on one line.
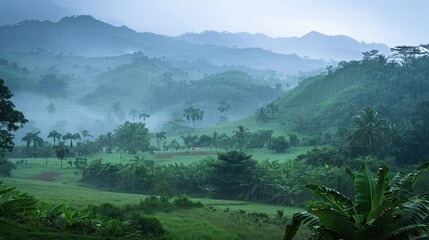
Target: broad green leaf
[[402, 184], [414, 211], [292, 229], [338, 201], [343, 226], [416, 231], [377, 228], [349, 172], [364, 188], [303, 218], [378, 194]]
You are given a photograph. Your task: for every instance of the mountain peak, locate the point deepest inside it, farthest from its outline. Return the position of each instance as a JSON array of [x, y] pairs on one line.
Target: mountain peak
[[79, 19], [313, 34]]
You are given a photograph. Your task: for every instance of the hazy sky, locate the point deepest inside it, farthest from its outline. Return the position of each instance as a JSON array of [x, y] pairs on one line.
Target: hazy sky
[[393, 22]]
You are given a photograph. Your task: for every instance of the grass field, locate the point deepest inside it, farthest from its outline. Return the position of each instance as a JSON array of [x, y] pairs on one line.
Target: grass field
[[218, 219]]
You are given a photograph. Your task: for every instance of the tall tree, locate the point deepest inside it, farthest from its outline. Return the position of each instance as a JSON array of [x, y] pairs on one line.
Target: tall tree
[[37, 140], [60, 151], [193, 114], [160, 137], [234, 175], [51, 108], [107, 141], [28, 138], [144, 116], [272, 109], [132, 137], [261, 115], [223, 107], [71, 137], [241, 134], [215, 139], [54, 135], [118, 110], [133, 114], [370, 132], [85, 134], [10, 119], [34, 138]]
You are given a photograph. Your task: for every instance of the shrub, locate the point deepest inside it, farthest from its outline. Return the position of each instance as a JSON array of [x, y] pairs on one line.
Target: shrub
[[183, 201], [107, 210], [279, 144], [147, 226], [6, 167]]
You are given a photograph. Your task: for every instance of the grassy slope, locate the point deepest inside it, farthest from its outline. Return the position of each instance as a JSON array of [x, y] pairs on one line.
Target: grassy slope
[[217, 220]]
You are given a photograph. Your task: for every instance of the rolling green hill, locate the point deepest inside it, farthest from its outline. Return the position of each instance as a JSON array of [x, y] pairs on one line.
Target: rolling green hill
[[332, 99]]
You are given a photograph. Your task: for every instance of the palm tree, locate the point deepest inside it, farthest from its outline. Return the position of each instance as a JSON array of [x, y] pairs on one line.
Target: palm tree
[[33, 137], [173, 145], [133, 113], [85, 134], [71, 137], [271, 109], [37, 141], [215, 138], [193, 114], [28, 138], [118, 110], [144, 116], [106, 141], [261, 115], [160, 137], [51, 108], [54, 135], [223, 107], [132, 137], [371, 130], [241, 134]]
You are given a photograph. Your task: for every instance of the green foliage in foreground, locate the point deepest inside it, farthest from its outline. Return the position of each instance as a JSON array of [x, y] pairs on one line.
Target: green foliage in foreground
[[219, 219], [382, 209]]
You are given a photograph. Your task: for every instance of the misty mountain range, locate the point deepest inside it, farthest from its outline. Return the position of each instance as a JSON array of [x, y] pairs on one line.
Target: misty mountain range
[[86, 36], [312, 45]]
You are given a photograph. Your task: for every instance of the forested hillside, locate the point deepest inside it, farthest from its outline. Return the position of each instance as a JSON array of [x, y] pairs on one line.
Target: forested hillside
[[393, 85]]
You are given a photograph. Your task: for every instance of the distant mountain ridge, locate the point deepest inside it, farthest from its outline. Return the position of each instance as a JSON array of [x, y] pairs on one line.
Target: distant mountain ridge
[[86, 36], [313, 44], [15, 11]]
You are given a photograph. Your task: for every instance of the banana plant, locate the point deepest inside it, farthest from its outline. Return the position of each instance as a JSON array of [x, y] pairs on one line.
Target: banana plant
[[14, 203], [382, 209]]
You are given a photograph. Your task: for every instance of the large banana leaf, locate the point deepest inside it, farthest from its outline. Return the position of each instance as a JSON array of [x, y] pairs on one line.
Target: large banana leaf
[[414, 211], [13, 203], [377, 201], [377, 228], [402, 184], [364, 188], [303, 218], [343, 226], [416, 231], [338, 201], [292, 229]]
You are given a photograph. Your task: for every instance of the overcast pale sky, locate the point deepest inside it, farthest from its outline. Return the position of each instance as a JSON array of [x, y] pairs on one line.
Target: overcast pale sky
[[394, 22]]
